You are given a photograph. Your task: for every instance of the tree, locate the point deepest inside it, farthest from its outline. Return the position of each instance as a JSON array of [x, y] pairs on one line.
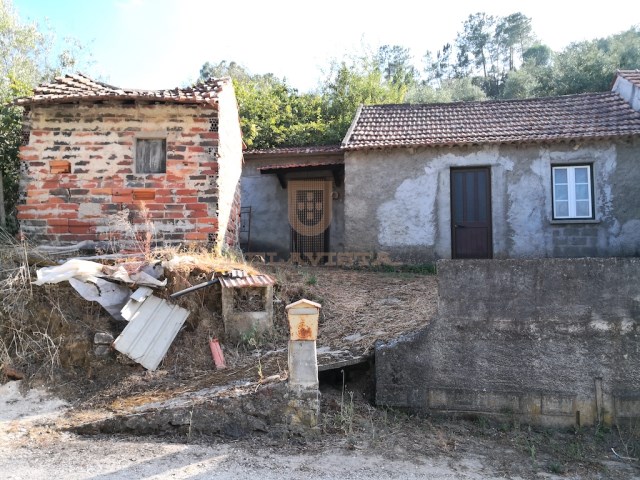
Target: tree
[[489, 48], [534, 78], [438, 67], [350, 83], [588, 66], [450, 90], [223, 69], [22, 48], [513, 35], [25, 61], [272, 114], [394, 62], [476, 40]]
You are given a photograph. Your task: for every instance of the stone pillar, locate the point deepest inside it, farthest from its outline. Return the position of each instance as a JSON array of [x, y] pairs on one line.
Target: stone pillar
[[304, 396]]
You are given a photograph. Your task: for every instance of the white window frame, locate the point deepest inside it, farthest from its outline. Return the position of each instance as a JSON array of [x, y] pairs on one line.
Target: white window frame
[[571, 187]]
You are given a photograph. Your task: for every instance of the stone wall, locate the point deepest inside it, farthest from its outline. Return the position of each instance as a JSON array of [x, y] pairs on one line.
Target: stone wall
[[79, 175], [399, 200], [550, 341], [233, 411]]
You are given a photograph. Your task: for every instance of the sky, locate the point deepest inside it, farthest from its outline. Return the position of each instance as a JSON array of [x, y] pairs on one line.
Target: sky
[[154, 44]]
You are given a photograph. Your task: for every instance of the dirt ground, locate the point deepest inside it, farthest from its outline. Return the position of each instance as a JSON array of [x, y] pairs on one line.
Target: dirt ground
[[357, 440]]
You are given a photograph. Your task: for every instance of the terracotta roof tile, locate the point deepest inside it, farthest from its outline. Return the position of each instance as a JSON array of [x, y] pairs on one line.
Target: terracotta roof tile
[[631, 75], [73, 88], [552, 119], [294, 151]]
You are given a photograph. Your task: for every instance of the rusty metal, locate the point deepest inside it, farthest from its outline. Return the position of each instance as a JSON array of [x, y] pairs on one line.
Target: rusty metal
[[194, 288], [305, 332]]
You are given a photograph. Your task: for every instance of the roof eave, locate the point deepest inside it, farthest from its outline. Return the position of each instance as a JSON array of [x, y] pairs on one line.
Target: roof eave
[[29, 101], [253, 156], [625, 136]]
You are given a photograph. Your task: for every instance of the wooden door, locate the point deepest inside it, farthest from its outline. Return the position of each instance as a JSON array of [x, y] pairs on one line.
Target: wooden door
[[471, 213]]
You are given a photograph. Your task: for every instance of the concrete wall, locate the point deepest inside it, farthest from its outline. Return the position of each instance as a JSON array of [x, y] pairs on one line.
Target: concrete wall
[[629, 91], [536, 339], [398, 200], [270, 230], [98, 143]]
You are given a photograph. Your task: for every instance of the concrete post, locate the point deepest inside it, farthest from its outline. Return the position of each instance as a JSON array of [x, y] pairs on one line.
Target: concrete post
[[304, 396]]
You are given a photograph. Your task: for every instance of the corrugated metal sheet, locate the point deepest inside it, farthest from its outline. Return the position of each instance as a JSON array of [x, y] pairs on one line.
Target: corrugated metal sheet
[[247, 282], [153, 324]]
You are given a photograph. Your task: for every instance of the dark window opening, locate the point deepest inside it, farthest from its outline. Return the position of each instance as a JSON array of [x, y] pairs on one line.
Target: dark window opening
[[151, 155]]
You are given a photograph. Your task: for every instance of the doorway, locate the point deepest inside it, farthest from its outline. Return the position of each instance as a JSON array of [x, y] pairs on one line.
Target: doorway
[[471, 234], [310, 210]]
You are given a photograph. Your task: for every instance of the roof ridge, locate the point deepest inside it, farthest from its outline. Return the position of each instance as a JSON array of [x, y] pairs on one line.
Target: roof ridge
[[491, 101], [79, 86]]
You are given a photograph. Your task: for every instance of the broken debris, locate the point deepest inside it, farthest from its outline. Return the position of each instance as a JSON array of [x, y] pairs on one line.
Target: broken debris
[[216, 354], [153, 324]]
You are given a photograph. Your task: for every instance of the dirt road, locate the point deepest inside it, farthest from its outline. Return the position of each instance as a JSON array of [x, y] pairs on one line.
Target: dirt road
[[32, 447]]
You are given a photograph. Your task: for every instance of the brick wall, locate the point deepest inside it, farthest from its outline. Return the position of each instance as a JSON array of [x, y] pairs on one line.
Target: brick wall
[[95, 145], [232, 236]]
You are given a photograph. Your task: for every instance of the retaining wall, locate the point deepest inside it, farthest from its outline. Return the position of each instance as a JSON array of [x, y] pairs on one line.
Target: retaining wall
[[550, 341]]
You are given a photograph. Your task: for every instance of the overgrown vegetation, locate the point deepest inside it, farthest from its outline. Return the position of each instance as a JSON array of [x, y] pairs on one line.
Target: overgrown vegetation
[[27, 59], [490, 58]]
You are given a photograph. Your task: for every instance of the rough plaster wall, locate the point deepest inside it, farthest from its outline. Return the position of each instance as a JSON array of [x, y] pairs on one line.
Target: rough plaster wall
[[399, 201], [628, 91], [533, 336], [623, 228], [230, 165], [404, 196], [269, 221], [270, 230]]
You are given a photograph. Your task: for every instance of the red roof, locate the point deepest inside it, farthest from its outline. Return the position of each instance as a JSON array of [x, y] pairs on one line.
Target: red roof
[[537, 120], [73, 88]]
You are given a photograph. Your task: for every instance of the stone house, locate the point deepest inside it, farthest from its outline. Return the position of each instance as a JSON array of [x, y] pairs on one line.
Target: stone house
[[166, 161], [542, 177]]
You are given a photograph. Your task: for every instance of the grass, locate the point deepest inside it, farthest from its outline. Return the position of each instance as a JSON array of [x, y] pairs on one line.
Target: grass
[[23, 343], [418, 269]]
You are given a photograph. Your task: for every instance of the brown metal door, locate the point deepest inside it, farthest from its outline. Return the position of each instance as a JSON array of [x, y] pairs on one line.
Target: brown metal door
[[471, 213]]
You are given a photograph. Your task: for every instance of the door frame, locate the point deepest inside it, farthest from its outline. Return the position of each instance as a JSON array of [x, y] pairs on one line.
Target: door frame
[[452, 170]]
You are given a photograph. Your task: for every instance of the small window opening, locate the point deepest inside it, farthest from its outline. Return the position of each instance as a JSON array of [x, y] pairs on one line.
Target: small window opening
[[151, 155]]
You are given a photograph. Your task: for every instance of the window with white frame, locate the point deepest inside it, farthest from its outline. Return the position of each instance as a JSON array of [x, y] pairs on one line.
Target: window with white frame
[[572, 192]]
